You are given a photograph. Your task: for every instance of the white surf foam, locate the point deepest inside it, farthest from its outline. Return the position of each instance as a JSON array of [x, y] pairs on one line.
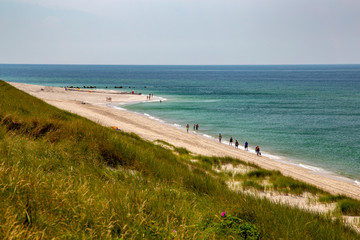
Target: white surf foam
[[152, 117], [155, 99], [271, 156], [210, 100], [208, 136], [312, 168], [118, 108]]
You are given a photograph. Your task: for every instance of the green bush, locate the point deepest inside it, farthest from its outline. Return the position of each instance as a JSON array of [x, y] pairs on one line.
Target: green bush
[[350, 207], [260, 173], [233, 225]]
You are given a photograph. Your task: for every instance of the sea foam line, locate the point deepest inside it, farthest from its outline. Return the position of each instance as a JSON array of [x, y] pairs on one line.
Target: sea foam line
[[154, 118]]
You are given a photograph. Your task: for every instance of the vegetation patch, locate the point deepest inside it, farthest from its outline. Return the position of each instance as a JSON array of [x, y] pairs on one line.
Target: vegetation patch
[[181, 151], [349, 207], [261, 173], [252, 184], [228, 225], [328, 198], [290, 185]]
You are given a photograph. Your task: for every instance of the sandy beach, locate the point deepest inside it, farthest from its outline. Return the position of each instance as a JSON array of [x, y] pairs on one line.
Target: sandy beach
[[96, 106]]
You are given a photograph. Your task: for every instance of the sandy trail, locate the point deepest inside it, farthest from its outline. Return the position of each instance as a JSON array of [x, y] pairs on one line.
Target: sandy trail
[[96, 109]]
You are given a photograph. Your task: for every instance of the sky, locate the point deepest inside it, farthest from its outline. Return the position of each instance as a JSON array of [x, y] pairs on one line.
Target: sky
[[180, 32]]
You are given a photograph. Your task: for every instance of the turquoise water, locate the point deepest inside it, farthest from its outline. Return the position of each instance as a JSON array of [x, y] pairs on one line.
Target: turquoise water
[[307, 114]]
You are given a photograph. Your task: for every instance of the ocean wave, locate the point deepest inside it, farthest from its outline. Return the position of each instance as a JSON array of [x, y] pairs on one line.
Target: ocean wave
[[210, 100], [208, 136], [152, 117], [271, 156], [118, 108], [156, 99], [312, 168]]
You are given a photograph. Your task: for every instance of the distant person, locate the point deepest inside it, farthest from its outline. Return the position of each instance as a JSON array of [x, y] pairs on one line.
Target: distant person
[[257, 150], [197, 126], [220, 137], [194, 127], [231, 141], [187, 128], [236, 144], [246, 146]]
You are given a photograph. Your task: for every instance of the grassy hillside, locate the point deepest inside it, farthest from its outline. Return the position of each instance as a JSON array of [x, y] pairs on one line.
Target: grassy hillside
[[65, 177]]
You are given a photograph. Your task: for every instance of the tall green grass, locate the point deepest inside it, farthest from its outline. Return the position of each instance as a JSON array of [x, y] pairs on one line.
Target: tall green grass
[[65, 177]]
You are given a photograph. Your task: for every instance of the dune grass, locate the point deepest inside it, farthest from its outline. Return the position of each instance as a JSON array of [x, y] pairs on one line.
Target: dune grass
[[65, 177]]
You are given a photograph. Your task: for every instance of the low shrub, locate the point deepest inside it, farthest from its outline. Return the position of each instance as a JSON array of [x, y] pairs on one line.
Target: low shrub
[[331, 198], [349, 207], [260, 173]]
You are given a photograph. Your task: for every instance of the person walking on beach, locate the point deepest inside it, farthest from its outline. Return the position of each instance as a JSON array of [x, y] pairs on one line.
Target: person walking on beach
[[231, 141], [197, 126], [257, 150], [246, 146], [194, 127], [220, 137], [236, 144], [187, 128]]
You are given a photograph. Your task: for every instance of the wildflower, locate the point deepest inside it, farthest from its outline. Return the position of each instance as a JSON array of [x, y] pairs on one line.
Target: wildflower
[[223, 214], [174, 231]]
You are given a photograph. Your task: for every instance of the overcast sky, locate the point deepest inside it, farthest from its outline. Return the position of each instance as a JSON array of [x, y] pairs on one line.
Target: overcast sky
[[180, 31]]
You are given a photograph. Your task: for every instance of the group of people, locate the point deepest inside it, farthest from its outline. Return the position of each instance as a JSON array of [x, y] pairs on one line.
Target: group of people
[[246, 145], [196, 127], [149, 96]]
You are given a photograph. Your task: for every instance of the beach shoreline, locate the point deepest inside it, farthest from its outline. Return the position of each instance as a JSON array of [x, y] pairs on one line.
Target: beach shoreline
[[97, 107]]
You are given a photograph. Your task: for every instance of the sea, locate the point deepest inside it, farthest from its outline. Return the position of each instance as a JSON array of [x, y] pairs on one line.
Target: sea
[[306, 115]]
